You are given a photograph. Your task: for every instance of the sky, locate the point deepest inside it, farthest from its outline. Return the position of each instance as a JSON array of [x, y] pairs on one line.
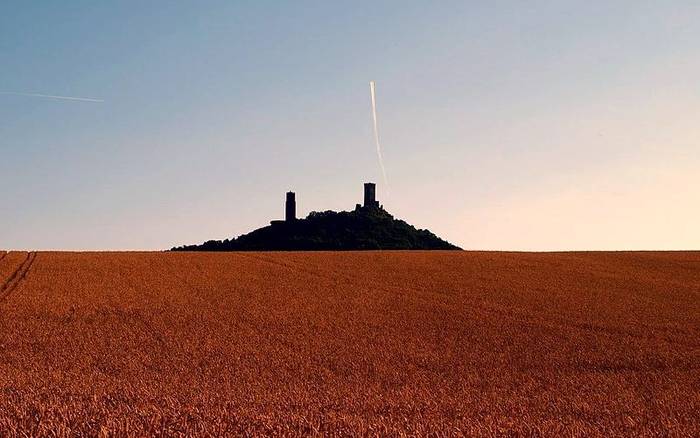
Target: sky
[[505, 125]]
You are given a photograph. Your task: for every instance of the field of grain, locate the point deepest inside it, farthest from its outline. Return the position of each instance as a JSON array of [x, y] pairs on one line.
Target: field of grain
[[372, 343]]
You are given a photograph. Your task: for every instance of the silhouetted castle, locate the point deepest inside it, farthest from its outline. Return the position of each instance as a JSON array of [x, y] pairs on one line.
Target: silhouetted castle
[[370, 197], [369, 226], [290, 204]]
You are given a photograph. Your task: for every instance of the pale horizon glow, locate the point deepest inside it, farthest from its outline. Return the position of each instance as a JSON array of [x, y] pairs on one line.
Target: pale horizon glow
[[505, 125]]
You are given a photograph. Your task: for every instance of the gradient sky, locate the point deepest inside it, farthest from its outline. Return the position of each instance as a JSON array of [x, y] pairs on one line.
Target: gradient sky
[[539, 125]]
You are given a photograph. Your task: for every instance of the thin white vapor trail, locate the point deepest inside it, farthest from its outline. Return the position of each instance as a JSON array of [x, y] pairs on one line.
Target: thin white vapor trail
[[373, 95], [50, 96]]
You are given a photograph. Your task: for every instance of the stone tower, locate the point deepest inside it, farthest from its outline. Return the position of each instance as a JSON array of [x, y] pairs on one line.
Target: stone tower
[[290, 207], [370, 196]]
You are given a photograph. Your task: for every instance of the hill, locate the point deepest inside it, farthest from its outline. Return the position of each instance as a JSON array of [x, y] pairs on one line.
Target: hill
[[391, 343], [362, 229]]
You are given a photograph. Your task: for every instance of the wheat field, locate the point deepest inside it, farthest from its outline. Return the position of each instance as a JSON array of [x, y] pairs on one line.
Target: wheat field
[[350, 343]]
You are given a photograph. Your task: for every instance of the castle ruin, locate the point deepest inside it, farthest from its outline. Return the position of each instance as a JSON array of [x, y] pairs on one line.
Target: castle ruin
[[290, 205]]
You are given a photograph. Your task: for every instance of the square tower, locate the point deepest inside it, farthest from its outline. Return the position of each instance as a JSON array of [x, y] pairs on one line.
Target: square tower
[[370, 196]]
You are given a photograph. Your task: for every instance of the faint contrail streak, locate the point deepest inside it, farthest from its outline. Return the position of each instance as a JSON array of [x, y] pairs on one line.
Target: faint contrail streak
[[50, 96], [372, 93]]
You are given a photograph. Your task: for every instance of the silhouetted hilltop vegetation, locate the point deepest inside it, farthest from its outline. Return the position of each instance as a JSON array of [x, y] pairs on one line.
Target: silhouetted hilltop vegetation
[[361, 229]]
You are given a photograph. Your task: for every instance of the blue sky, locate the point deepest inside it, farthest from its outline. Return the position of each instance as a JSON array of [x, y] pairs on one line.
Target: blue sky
[[536, 125]]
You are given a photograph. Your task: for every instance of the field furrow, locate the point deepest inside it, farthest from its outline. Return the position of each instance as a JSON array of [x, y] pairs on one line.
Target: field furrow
[[17, 276], [10, 264]]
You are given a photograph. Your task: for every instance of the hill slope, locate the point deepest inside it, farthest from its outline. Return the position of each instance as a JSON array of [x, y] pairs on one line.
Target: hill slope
[[362, 229]]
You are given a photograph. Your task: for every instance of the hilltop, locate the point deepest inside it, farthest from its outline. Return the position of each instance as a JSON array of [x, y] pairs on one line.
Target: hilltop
[[368, 227], [365, 228]]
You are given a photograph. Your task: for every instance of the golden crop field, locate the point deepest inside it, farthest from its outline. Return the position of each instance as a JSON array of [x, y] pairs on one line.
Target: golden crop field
[[350, 343]]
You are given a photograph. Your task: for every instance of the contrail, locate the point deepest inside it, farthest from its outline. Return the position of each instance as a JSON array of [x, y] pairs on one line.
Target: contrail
[[372, 93], [50, 96]]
